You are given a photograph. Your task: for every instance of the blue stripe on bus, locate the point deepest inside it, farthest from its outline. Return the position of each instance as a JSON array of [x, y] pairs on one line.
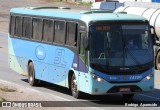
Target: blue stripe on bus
[[123, 78], [81, 65]]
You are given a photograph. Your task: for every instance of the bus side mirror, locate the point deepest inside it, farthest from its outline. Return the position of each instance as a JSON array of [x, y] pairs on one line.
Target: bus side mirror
[[157, 43], [86, 43], [154, 36]]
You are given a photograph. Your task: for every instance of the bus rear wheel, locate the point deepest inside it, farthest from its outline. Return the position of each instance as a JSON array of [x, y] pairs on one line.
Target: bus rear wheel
[[158, 61], [75, 92], [128, 96], [31, 75]]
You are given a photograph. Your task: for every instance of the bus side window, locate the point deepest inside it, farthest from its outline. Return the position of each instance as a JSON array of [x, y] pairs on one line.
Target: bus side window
[[18, 27], [27, 27], [59, 27], [12, 25], [144, 40], [71, 34], [48, 30], [37, 29], [82, 50]]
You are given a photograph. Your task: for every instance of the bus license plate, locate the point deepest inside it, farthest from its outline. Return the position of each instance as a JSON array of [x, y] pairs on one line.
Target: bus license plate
[[124, 90]]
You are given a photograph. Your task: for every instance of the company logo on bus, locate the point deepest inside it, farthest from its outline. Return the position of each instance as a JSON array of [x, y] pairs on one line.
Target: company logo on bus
[[40, 52]]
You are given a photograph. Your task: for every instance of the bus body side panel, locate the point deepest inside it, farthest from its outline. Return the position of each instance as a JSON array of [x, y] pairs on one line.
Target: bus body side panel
[[51, 63], [17, 63], [81, 71], [60, 61]]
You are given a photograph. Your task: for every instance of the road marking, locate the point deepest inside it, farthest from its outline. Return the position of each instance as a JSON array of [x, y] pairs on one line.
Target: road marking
[[48, 94]]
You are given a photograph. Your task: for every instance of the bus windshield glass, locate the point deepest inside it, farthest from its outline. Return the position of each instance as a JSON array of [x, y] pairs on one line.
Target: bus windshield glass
[[122, 45]]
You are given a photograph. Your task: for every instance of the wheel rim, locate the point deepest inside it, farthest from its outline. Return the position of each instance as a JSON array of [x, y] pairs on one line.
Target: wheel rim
[[30, 75], [74, 85], [158, 61]]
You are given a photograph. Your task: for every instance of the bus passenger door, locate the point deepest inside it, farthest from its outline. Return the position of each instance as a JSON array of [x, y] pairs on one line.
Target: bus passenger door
[[82, 64]]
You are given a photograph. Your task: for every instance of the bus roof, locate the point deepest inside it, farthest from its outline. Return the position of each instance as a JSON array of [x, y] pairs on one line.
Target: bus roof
[[84, 15]]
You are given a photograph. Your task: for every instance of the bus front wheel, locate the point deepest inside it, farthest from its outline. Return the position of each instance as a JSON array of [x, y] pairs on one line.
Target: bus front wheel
[[75, 92], [158, 61], [31, 75]]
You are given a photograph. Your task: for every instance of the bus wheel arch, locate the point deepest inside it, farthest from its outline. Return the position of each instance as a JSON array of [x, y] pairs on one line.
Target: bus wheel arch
[[72, 81], [31, 74], [158, 60], [70, 74], [29, 61]]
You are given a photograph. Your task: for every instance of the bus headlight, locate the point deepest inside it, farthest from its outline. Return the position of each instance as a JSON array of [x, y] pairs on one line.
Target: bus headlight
[[97, 78], [147, 78]]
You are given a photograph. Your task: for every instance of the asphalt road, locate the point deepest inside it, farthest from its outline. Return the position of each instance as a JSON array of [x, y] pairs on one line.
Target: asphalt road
[[63, 94]]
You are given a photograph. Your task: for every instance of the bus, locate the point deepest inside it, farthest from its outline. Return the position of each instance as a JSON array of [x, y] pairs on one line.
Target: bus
[[83, 50]]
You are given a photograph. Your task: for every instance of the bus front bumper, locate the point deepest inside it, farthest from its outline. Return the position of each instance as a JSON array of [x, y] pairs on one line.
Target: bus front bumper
[[100, 88]]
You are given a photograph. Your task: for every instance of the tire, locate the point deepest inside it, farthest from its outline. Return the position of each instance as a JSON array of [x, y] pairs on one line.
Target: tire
[[31, 75], [74, 90], [158, 61], [128, 96]]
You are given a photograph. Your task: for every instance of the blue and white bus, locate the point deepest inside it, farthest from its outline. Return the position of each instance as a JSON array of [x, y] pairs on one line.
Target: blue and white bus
[[85, 51]]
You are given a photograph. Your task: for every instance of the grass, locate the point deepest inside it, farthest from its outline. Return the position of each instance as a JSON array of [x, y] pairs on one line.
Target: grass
[[7, 89]]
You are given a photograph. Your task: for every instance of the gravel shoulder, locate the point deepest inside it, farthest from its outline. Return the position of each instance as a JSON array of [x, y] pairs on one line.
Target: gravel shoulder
[[13, 92]]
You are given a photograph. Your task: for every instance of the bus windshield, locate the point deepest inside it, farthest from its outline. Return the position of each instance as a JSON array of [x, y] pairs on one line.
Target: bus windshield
[[124, 45]]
